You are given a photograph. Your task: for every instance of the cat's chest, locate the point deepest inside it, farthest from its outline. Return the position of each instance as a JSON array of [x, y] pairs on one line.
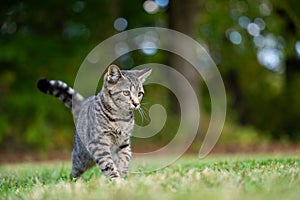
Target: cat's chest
[[118, 129], [121, 129], [119, 134]]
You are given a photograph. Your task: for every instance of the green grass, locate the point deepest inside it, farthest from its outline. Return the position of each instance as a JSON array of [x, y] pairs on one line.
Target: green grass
[[216, 177]]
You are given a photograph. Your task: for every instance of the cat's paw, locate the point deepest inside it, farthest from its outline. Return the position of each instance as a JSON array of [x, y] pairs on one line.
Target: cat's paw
[[118, 181], [74, 179], [123, 174]]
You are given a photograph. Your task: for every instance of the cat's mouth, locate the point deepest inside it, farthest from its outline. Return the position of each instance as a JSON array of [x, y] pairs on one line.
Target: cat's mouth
[[134, 107]]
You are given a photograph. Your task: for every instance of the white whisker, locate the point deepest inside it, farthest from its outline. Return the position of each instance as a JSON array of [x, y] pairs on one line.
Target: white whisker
[[143, 114]]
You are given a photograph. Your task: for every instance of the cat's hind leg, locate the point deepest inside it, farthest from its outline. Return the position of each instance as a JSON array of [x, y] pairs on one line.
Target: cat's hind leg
[[80, 163], [81, 159]]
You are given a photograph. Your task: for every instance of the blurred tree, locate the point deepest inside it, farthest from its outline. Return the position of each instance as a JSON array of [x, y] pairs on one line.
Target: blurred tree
[[184, 16], [49, 39], [291, 32], [253, 42], [43, 39]]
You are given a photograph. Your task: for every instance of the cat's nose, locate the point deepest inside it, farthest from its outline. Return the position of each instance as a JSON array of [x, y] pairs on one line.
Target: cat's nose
[[135, 102]]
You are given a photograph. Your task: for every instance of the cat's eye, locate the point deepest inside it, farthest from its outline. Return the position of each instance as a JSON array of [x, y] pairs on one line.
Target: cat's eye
[[126, 93], [140, 94]]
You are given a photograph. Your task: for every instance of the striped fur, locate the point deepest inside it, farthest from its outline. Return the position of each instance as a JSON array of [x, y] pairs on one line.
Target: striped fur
[[63, 92], [105, 121]]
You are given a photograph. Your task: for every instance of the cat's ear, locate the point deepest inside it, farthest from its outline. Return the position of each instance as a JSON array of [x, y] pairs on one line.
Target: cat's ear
[[113, 74], [144, 73]]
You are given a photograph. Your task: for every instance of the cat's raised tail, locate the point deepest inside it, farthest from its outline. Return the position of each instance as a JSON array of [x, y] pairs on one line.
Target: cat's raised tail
[[63, 92]]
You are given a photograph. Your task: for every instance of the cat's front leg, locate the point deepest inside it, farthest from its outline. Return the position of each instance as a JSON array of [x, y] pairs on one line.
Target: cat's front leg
[[101, 152], [124, 155]]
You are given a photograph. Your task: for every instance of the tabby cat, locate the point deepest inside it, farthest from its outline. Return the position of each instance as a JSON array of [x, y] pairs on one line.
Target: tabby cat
[[104, 122]]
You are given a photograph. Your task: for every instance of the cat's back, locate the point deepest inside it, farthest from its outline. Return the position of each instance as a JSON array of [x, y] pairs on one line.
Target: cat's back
[[85, 113]]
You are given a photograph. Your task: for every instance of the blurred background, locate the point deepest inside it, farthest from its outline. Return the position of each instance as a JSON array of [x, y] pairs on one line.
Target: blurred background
[[255, 44]]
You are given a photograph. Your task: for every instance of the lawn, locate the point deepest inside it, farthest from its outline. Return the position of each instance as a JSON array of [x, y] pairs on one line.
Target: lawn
[[215, 177]]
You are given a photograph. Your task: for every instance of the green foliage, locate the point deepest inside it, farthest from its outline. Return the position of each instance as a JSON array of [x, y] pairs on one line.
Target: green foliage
[[234, 135], [256, 177], [48, 40], [257, 95]]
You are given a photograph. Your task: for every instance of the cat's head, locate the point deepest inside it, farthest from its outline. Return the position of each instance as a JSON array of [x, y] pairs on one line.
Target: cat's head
[[125, 87]]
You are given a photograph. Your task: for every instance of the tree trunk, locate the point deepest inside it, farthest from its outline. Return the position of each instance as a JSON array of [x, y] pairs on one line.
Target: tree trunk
[[184, 17]]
